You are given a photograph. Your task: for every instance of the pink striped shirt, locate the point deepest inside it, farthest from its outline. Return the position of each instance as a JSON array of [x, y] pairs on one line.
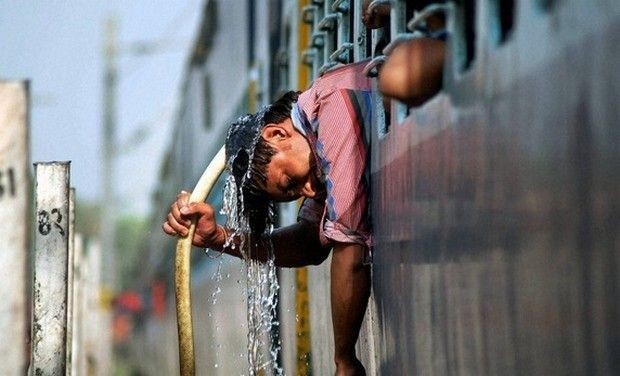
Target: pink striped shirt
[[334, 115]]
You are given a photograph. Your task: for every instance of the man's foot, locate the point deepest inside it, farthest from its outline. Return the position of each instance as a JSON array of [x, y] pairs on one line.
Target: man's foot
[[351, 367]]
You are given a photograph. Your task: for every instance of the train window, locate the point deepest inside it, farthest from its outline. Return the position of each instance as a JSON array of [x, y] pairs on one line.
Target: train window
[[502, 19], [465, 33]]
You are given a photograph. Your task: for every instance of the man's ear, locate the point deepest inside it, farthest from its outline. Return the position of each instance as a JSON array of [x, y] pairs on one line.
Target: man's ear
[[274, 132]]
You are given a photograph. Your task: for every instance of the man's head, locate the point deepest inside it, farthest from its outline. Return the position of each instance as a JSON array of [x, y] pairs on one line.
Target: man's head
[[282, 166]]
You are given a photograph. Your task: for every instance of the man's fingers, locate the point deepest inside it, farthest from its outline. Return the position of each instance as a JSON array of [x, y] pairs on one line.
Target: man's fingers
[[181, 213], [176, 213], [182, 199], [196, 208], [168, 229], [176, 226]]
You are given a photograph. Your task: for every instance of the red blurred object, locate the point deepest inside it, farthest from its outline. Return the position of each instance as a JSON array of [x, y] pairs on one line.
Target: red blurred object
[[122, 327], [130, 301], [158, 298]]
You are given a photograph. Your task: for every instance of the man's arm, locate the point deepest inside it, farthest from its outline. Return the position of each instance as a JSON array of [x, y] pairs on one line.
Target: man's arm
[[295, 245], [350, 289]]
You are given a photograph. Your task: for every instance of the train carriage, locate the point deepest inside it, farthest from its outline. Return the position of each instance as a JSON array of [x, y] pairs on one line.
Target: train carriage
[[495, 203]]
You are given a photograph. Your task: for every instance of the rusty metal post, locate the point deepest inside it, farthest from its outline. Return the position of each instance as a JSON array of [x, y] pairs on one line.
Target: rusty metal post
[[70, 280], [49, 316], [14, 228]]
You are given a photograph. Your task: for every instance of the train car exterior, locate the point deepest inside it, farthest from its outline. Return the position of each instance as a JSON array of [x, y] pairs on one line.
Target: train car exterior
[[496, 204], [501, 233]]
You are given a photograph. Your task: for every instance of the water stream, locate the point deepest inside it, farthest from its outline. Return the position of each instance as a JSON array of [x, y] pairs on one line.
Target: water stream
[[261, 283]]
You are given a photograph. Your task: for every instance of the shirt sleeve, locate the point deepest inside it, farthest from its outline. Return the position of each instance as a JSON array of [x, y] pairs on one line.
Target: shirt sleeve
[[313, 211]]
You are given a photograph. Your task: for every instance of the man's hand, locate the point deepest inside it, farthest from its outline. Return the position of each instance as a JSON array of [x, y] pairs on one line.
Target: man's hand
[[208, 232]]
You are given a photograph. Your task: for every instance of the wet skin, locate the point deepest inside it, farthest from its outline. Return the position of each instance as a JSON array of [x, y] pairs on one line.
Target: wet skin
[[291, 172], [291, 175]]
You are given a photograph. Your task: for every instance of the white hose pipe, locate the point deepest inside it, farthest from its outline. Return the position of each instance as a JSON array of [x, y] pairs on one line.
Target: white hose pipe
[[182, 268]]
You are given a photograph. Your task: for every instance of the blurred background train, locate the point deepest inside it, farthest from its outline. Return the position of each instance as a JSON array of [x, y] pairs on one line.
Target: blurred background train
[[496, 203]]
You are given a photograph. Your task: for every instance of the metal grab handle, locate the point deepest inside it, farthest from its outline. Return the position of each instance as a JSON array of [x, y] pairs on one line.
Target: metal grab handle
[[328, 23], [327, 66], [372, 68], [425, 13], [341, 6], [400, 38], [335, 56], [183, 272]]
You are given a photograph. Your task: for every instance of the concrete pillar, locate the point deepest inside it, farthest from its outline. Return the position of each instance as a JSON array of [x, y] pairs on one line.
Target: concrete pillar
[[49, 319], [70, 280], [78, 361], [14, 228], [97, 319]]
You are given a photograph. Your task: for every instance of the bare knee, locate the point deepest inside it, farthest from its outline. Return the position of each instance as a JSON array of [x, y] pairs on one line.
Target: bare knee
[[413, 72]]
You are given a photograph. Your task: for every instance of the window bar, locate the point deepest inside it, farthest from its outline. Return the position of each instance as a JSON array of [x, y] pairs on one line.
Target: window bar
[[398, 17], [318, 37], [317, 44], [310, 55], [359, 32], [328, 27], [398, 21], [342, 53], [282, 64], [307, 14]]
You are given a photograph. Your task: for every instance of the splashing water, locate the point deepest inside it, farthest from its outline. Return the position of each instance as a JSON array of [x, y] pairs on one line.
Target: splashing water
[[217, 277], [261, 282]]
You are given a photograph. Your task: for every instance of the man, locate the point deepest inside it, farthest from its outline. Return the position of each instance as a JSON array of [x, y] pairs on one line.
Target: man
[[313, 146]]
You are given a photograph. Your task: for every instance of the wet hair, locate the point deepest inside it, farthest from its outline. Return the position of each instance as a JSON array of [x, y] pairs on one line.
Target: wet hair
[[278, 112]]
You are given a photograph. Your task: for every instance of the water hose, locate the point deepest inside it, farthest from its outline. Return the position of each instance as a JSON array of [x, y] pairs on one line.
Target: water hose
[[182, 268]]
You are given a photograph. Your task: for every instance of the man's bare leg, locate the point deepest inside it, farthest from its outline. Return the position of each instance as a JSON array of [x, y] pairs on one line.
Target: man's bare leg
[[350, 289]]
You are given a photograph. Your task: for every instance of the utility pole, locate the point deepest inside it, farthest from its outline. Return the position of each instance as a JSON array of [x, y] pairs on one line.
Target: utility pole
[[108, 218]]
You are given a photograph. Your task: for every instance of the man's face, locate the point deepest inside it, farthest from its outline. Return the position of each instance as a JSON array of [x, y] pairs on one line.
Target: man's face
[[290, 177], [291, 172]]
